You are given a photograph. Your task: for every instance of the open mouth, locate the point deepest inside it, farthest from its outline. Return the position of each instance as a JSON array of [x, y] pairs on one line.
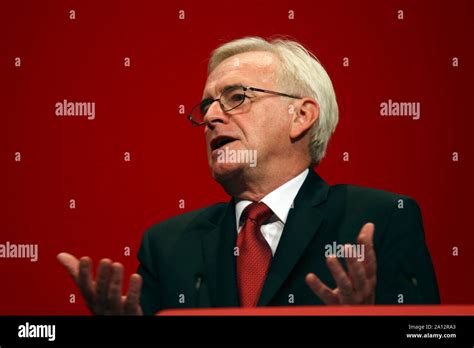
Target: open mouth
[[221, 141]]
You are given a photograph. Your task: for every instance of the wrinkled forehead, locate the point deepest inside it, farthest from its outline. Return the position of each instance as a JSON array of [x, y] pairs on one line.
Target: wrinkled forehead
[[255, 69]]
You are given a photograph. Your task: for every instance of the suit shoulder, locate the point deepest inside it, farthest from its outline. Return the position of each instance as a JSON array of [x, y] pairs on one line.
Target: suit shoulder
[[368, 192], [366, 197], [175, 225]]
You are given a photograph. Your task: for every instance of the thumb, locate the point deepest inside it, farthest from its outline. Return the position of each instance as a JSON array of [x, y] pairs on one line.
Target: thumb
[[70, 263]]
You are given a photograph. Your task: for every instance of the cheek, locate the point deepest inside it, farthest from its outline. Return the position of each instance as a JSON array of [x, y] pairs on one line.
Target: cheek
[[277, 120], [268, 127]]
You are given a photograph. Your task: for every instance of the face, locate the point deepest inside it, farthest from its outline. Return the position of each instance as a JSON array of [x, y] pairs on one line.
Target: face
[[259, 126]]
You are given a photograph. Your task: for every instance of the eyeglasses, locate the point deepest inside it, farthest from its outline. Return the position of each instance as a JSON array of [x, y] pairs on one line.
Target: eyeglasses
[[231, 98]]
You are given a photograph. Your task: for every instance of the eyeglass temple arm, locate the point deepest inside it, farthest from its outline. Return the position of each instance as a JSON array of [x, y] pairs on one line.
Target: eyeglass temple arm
[[273, 92]]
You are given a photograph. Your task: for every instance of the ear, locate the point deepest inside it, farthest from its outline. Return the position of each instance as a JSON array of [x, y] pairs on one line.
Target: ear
[[304, 116]]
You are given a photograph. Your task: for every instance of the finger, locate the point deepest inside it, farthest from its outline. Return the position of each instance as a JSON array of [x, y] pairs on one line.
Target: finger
[[132, 302], [115, 289], [70, 263], [85, 282], [365, 238], [342, 280], [320, 289], [370, 265], [356, 270], [102, 286]]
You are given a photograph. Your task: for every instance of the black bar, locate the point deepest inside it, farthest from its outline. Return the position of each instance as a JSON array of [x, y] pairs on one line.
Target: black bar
[[256, 329]]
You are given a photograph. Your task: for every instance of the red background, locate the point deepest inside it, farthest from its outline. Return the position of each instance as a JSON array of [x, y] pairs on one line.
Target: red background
[[67, 158]]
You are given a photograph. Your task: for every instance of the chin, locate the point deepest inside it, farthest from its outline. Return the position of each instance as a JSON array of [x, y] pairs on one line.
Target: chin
[[225, 171]]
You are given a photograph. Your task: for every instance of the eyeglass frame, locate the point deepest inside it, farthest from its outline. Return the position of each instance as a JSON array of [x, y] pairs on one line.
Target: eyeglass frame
[[245, 88]]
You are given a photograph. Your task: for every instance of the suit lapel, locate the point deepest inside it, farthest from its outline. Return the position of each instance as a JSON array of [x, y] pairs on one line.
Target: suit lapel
[[302, 225], [218, 249]]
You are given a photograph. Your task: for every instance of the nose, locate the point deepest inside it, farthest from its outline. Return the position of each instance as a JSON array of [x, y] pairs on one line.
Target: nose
[[215, 115]]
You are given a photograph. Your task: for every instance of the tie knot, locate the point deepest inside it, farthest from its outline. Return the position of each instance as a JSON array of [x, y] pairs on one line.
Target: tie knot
[[258, 212]]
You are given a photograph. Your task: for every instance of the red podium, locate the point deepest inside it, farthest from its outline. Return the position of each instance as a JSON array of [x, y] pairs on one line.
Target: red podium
[[394, 310]]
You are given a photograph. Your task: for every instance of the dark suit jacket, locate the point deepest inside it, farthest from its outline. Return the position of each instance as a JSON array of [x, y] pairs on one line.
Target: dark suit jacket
[[188, 260]]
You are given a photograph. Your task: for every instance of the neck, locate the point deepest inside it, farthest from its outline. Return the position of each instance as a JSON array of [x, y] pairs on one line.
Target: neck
[[254, 184]]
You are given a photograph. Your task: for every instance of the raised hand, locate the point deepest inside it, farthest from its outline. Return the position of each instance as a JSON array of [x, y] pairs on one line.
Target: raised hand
[[357, 286], [103, 296]]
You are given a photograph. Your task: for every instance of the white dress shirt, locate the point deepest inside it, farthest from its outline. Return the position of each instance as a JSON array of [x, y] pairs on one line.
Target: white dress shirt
[[280, 201]]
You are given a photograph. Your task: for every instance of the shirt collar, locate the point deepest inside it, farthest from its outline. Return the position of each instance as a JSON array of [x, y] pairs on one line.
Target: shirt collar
[[279, 200]]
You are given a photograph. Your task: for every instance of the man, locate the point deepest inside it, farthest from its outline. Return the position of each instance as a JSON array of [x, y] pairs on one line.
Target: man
[[285, 237]]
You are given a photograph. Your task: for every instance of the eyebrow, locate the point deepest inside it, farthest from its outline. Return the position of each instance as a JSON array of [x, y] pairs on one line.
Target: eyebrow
[[222, 89]]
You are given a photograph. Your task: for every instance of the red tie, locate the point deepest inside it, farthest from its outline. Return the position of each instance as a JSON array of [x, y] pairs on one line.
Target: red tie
[[255, 254]]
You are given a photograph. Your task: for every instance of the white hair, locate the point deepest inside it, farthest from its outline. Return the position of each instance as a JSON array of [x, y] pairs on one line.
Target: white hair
[[301, 73]]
